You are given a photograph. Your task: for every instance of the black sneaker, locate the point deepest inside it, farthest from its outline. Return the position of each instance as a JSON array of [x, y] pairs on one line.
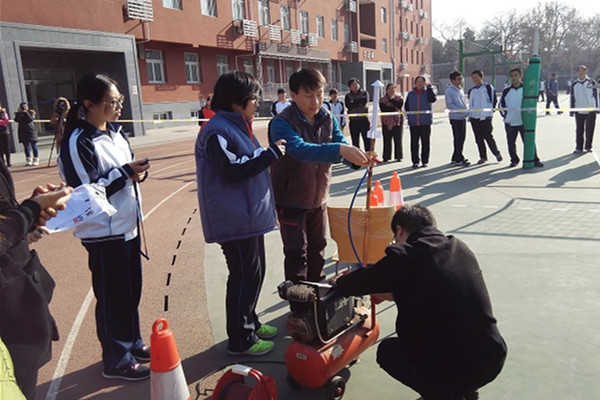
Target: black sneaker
[[513, 164], [538, 164], [134, 372], [464, 163], [142, 355]]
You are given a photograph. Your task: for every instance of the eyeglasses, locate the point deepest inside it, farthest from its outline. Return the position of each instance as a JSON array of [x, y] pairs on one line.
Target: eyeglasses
[[117, 102]]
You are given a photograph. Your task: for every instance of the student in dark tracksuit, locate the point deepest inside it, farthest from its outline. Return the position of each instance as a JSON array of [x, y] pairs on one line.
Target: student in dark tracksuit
[[236, 205], [417, 100], [448, 343], [357, 101], [96, 151], [302, 177]]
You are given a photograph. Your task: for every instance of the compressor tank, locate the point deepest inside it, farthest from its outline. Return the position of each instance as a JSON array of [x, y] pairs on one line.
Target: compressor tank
[[312, 365]]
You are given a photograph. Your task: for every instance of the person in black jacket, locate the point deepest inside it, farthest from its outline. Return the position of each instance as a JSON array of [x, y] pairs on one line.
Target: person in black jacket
[[25, 117], [26, 325], [357, 102], [448, 344]]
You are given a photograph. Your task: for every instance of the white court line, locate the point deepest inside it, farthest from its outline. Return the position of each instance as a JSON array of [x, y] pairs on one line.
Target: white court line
[[596, 157], [65, 355]]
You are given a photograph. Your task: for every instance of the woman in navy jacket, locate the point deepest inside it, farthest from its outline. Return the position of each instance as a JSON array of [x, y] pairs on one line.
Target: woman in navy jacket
[[419, 100]]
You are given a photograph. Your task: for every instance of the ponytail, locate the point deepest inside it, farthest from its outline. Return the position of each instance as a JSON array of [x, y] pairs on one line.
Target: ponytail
[[72, 120]]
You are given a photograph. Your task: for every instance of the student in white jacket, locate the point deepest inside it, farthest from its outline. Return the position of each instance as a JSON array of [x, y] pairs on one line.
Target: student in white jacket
[[510, 104], [482, 101], [584, 94]]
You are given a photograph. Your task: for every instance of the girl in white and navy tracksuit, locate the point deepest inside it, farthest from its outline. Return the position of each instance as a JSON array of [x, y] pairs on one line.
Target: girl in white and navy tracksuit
[[91, 155], [584, 94]]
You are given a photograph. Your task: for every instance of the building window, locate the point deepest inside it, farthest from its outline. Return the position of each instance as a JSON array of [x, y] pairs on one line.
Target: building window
[[239, 9], [248, 66], [289, 69], [384, 45], [192, 68], [195, 114], [222, 65], [285, 18], [334, 29], [304, 22], [155, 66], [383, 15], [209, 7], [320, 26], [264, 17], [162, 116], [346, 32], [271, 71], [174, 4]]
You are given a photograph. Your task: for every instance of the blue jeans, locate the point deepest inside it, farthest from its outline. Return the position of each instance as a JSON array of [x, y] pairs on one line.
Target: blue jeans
[[30, 145]]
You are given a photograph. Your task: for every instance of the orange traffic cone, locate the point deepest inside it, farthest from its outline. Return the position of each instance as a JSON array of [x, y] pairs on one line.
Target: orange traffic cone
[[396, 198], [378, 190], [166, 376], [373, 200]]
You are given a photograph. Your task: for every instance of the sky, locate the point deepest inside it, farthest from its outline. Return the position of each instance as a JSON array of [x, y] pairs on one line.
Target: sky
[[476, 12]]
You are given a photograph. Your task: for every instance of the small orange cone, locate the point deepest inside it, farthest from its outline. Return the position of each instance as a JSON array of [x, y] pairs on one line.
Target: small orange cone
[[378, 190], [166, 376], [396, 198], [373, 200]]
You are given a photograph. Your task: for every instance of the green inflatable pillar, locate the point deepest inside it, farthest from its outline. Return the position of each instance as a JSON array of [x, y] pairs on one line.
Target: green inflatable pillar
[[531, 87]]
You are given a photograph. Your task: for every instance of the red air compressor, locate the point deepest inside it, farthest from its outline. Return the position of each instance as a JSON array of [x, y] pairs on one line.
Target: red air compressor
[[330, 331]]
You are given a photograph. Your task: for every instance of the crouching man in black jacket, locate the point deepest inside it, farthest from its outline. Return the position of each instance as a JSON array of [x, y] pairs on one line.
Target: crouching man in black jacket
[[448, 344]]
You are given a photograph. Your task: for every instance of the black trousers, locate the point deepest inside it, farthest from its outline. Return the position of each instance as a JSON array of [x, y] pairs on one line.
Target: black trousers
[[246, 263], [420, 134], [549, 100], [459, 132], [5, 148], [359, 127], [511, 139], [116, 268], [433, 381], [482, 128], [390, 136], [584, 128], [304, 239]]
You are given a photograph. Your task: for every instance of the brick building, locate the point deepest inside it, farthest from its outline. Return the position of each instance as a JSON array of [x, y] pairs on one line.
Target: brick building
[[167, 54]]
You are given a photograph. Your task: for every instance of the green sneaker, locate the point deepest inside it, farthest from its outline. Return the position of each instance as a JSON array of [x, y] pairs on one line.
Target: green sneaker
[[267, 331], [260, 348]]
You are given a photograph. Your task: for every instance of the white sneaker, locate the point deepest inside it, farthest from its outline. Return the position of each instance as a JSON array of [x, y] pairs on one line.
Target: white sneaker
[[36, 161], [28, 161]]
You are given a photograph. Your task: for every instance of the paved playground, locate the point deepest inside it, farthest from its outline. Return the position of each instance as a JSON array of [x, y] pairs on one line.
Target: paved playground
[[535, 232]]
